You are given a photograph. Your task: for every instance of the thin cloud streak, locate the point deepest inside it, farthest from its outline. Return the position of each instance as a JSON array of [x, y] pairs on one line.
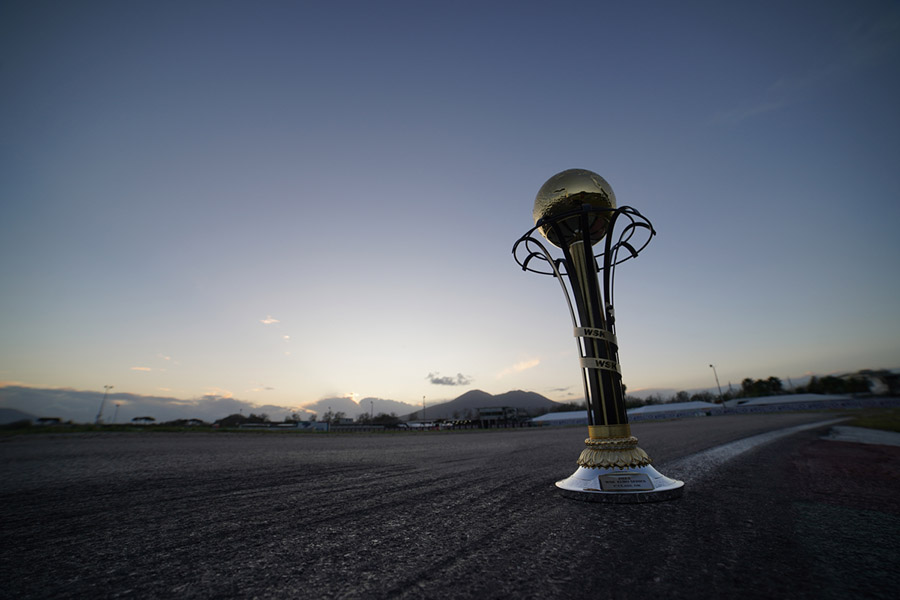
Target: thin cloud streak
[[868, 44], [519, 367]]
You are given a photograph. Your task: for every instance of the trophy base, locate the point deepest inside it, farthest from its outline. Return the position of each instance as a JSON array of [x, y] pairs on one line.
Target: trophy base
[[620, 486]]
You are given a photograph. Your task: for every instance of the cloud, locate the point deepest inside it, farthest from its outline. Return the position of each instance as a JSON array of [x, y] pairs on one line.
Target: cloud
[[742, 113], [269, 320], [866, 43], [81, 406], [519, 367], [460, 379], [560, 390], [353, 408], [259, 387], [342, 404], [141, 369]]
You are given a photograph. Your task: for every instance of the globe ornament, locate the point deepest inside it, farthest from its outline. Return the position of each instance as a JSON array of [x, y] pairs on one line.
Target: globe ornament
[[570, 191]]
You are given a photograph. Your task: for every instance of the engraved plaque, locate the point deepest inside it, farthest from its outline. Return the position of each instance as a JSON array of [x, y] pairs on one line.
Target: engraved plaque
[[626, 482]]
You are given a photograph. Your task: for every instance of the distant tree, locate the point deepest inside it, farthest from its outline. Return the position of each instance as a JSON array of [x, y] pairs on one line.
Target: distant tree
[[387, 420], [653, 399], [567, 407], [143, 420], [747, 387], [804, 389], [818, 386], [682, 397], [633, 402], [755, 388], [557, 407], [339, 415], [859, 385], [836, 385], [704, 397], [233, 420]]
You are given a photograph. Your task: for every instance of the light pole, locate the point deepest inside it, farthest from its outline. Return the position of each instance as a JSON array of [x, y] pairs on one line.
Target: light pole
[[721, 399], [106, 389], [574, 210]]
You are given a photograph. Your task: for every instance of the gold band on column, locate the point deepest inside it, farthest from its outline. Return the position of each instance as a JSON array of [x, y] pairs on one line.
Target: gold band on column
[[612, 446], [619, 453], [599, 432]]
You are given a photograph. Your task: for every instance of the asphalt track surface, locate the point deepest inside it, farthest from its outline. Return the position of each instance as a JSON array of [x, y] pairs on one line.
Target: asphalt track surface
[[443, 515]]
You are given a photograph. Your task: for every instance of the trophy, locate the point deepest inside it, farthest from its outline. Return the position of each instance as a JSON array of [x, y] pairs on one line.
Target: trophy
[[575, 211]]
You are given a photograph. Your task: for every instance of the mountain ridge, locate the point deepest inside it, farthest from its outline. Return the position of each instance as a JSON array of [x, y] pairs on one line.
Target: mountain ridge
[[466, 406]]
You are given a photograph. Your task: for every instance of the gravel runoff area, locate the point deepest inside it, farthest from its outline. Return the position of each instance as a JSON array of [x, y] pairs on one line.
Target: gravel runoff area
[[443, 515]]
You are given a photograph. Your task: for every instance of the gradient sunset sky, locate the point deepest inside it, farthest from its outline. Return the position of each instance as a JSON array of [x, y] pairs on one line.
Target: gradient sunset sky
[[288, 201]]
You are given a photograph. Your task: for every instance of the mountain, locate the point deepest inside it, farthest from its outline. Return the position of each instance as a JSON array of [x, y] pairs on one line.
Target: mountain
[[467, 405], [11, 415]]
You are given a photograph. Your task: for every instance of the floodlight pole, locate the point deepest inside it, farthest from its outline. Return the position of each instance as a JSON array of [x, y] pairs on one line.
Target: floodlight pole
[[721, 398], [106, 389], [574, 211]]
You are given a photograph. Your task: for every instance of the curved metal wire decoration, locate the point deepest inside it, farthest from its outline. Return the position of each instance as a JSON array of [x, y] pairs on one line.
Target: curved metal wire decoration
[[532, 255], [636, 220]]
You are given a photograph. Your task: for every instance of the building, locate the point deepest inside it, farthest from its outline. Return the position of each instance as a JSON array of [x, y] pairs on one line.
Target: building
[[498, 416]]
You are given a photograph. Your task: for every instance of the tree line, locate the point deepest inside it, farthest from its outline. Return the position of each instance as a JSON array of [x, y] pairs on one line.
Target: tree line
[[753, 388]]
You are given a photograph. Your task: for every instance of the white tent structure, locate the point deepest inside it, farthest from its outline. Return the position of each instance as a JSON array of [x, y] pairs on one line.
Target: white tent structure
[[765, 404], [673, 410], [784, 399], [573, 417]]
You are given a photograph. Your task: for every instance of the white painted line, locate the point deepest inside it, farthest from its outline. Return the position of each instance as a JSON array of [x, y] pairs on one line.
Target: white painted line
[[697, 466], [861, 435]]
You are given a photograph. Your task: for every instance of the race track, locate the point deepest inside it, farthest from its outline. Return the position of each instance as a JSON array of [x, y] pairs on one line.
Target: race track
[[408, 515]]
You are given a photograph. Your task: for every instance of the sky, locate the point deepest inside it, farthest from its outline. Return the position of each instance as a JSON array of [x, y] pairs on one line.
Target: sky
[[281, 203]]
